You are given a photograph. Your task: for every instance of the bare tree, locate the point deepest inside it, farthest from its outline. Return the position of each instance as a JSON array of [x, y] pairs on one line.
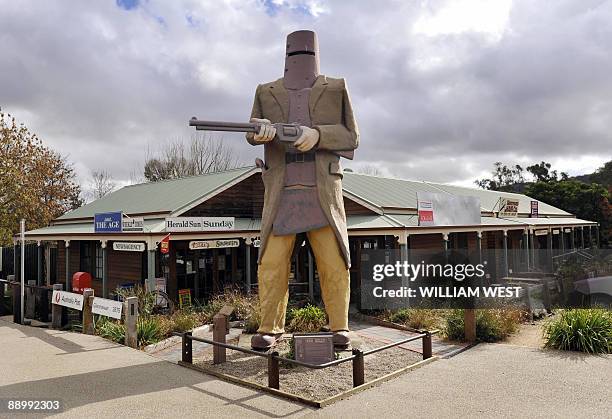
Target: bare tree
[[202, 154], [370, 169], [101, 183]]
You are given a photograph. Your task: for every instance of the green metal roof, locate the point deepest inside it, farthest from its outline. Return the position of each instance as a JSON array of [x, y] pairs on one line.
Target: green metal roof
[[399, 193], [163, 196]]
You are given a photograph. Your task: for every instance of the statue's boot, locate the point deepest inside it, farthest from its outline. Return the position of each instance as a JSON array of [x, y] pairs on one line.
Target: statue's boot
[[263, 342], [341, 340]]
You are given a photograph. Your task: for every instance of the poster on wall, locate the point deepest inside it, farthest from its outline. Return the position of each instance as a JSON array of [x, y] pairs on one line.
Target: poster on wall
[[436, 209]]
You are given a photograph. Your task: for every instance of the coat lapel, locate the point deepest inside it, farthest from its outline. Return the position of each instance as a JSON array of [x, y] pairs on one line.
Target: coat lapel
[[317, 90], [281, 96]]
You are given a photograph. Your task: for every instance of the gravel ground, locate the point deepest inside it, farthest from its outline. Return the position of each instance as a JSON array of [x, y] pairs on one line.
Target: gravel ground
[[308, 383]]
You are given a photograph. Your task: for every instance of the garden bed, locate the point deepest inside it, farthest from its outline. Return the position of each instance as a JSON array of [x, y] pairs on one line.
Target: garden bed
[[309, 384]]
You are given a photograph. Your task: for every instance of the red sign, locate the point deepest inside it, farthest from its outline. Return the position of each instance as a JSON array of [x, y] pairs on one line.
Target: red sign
[[534, 209], [425, 216], [164, 245]]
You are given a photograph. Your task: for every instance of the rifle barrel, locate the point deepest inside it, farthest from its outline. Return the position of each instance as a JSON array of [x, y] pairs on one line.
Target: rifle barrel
[[223, 126]]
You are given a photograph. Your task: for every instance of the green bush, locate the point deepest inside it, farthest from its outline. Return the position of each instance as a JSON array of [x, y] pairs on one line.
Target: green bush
[[244, 305], [149, 330], [251, 324], [492, 325], [417, 318], [110, 329], [183, 321], [306, 320], [584, 330], [146, 300]]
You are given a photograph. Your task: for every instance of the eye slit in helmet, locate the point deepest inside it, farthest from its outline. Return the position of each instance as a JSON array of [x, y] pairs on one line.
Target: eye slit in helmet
[[291, 54]]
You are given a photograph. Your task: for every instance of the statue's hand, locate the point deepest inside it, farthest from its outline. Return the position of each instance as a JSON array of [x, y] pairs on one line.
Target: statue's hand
[[266, 132], [308, 139]]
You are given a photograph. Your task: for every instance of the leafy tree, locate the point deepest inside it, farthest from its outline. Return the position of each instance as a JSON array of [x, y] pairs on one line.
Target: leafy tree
[[603, 175], [36, 183], [504, 178]]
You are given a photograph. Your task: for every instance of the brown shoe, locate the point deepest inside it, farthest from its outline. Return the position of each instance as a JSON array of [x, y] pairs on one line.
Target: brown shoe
[[263, 342], [341, 340]]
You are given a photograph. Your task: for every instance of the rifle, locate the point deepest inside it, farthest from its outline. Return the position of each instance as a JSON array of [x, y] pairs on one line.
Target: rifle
[[287, 133]]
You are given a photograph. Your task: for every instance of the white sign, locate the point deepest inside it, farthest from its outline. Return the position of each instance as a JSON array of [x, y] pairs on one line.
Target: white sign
[[508, 207], [129, 246], [437, 209], [213, 244], [133, 224], [108, 308], [568, 230], [68, 299], [178, 224], [541, 232]]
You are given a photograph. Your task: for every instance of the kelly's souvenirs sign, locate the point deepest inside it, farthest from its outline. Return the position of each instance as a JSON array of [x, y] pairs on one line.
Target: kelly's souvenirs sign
[[182, 224]]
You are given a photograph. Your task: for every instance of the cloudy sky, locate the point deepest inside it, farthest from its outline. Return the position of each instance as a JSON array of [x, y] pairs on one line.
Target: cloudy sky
[[441, 89]]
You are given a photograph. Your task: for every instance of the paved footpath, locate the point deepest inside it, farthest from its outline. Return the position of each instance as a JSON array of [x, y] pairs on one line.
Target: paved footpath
[[96, 378]]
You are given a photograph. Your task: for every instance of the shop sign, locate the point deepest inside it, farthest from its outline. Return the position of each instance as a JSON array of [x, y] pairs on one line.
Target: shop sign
[[184, 298], [213, 244], [164, 245], [426, 214], [129, 246], [508, 207], [555, 232], [182, 224], [108, 308], [68, 299], [541, 232], [107, 222], [568, 230], [133, 224], [534, 209]]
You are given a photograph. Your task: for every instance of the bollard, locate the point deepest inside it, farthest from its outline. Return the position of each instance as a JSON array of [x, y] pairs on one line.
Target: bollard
[[30, 301], [16, 302], [358, 368], [130, 307], [220, 325], [88, 296], [57, 311], [187, 348], [273, 371], [2, 309], [469, 325], [427, 346]]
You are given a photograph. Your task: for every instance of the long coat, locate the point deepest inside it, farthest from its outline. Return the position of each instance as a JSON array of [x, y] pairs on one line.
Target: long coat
[[331, 114]]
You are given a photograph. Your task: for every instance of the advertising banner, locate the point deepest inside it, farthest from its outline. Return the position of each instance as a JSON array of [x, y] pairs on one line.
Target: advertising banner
[[213, 244], [508, 207], [107, 222], [185, 224], [534, 209], [436, 209]]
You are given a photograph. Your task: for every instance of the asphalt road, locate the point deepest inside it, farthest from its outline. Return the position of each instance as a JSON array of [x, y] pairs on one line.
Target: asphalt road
[[95, 378]]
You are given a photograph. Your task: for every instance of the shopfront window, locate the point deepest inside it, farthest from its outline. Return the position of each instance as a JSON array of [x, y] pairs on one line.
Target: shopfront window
[[99, 265]]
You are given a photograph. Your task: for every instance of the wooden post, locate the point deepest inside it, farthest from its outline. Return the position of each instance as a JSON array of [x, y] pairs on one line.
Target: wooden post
[[2, 309], [273, 371], [427, 346], [187, 355], [43, 304], [358, 368], [30, 302], [219, 331], [56, 310], [469, 325], [16, 302], [130, 307], [88, 296]]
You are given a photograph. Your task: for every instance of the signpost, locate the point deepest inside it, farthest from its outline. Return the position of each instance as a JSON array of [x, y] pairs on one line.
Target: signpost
[[534, 209], [213, 244], [22, 228], [68, 299], [508, 207], [108, 222], [181, 224], [129, 246], [108, 308]]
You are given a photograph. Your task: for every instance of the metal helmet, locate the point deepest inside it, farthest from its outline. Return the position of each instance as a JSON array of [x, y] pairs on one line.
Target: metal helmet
[[301, 60]]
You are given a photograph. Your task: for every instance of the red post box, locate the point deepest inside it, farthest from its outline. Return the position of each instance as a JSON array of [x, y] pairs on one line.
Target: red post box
[[80, 281]]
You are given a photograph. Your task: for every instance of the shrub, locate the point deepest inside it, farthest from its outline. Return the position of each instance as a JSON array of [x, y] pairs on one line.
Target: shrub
[[492, 325], [586, 330], [251, 324], [110, 329], [244, 305], [417, 318], [149, 330], [183, 321], [308, 319], [146, 300]]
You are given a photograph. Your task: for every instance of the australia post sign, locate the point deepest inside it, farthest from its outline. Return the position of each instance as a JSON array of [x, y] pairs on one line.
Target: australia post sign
[[68, 299], [107, 222]]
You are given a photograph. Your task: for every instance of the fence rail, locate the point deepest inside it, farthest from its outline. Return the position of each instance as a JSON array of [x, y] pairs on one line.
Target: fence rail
[[274, 358]]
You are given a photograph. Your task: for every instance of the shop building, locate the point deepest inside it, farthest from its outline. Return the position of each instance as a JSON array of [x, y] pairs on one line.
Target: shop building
[[381, 214]]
